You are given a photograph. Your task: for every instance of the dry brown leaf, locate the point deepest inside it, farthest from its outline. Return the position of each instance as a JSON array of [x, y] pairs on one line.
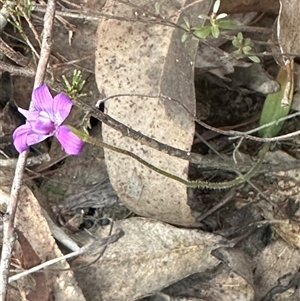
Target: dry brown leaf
[[148, 58], [227, 283], [34, 229], [238, 261], [30, 220], [276, 266], [150, 256], [28, 259], [228, 286], [284, 193], [290, 232]]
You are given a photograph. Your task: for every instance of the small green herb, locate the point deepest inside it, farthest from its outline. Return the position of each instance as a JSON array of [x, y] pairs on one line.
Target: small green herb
[[244, 47], [217, 22], [274, 109], [74, 89]]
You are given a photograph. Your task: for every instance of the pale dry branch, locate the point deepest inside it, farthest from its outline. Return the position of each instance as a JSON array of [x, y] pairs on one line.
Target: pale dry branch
[[92, 249]]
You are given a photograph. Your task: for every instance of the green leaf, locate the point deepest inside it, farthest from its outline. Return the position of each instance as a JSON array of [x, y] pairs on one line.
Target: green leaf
[[240, 36], [183, 25], [248, 42], [205, 17], [157, 7], [254, 58], [227, 24], [197, 28], [236, 42], [186, 21], [247, 49], [237, 55], [184, 37], [203, 33], [66, 82], [215, 31], [273, 109], [216, 6], [221, 16]]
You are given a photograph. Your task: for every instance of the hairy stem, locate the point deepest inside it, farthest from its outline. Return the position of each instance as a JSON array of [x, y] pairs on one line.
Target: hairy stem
[[197, 183]]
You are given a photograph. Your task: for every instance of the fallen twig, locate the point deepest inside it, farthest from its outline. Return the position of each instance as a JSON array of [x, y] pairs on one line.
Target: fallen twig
[[32, 161], [18, 58], [15, 70], [91, 249]]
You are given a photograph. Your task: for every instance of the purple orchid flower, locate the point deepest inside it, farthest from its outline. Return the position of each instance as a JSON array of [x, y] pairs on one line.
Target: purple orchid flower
[[46, 121]]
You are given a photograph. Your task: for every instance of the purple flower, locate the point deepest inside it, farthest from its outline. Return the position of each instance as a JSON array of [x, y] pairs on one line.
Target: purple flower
[[46, 121]]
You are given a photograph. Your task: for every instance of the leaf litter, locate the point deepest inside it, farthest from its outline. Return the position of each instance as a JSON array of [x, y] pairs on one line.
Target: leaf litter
[[254, 257]]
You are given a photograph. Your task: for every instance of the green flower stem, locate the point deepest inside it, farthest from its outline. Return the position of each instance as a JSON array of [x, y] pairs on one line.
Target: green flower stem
[[196, 184]]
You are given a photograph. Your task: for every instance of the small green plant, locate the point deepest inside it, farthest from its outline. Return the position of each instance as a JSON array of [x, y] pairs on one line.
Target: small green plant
[[186, 26], [29, 7], [74, 89], [217, 22], [157, 8], [275, 106], [244, 47], [16, 12]]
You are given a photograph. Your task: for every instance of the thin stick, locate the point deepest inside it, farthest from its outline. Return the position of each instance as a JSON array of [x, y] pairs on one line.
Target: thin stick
[[235, 134], [92, 15], [31, 26], [224, 201], [241, 134], [46, 43], [268, 124], [32, 161], [187, 6], [91, 249], [8, 221], [17, 23], [129, 132], [8, 226], [209, 146], [13, 55], [45, 264], [15, 70]]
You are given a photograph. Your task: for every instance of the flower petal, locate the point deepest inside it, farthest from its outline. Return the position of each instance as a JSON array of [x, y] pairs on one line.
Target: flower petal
[[20, 137], [34, 138], [30, 115], [62, 105], [43, 125], [43, 100], [71, 144], [24, 136]]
